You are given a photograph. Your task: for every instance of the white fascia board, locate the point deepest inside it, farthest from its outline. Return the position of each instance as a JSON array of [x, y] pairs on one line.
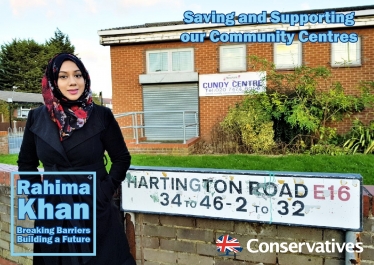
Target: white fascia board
[[168, 78], [175, 34], [155, 29], [368, 12], [185, 27]]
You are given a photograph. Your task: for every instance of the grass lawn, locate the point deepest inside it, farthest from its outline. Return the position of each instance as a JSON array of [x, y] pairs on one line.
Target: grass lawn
[[361, 164]]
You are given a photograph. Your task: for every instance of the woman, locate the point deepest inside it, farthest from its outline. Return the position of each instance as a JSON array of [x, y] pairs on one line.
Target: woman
[[71, 133]]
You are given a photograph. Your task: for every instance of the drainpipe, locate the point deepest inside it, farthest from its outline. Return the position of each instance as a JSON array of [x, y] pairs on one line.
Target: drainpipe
[[354, 257]]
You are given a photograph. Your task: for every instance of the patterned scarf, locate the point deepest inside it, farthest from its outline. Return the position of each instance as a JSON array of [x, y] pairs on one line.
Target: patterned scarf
[[67, 114]]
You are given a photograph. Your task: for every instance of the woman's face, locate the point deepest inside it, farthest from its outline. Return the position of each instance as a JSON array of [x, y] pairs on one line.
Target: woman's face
[[70, 80]]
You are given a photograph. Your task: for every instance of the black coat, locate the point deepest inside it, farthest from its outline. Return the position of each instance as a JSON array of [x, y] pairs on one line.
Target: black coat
[[82, 151]]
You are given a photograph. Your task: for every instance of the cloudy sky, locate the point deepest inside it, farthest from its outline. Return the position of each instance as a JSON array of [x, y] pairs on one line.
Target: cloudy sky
[[81, 19]]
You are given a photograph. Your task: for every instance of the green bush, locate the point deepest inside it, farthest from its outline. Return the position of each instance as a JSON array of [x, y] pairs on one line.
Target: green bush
[[361, 138], [307, 98], [295, 112], [328, 149], [251, 122]]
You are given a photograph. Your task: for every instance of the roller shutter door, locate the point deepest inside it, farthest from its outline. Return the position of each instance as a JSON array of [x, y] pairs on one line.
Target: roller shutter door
[[176, 97]]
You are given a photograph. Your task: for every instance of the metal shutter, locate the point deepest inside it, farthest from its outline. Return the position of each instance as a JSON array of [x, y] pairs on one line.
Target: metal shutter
[[176, 97]]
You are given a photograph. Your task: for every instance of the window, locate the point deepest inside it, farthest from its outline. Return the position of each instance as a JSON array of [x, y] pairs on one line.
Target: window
[[346, 54], [22, 112], [164, 61], [287, 56], [232, 58]]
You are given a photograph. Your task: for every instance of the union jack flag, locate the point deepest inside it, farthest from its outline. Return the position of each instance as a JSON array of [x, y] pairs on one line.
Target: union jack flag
[[228, 244]]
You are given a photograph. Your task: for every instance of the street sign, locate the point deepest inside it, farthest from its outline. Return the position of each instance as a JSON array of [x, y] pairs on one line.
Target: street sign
[[291, 198]]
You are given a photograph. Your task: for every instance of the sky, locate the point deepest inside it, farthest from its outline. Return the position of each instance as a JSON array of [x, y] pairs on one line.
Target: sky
[[82, 19]]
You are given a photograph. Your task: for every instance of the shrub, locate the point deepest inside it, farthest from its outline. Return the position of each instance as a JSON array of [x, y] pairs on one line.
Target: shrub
[[307, 98], [328, 149], [361, 138], [251, 123], [295, 112]]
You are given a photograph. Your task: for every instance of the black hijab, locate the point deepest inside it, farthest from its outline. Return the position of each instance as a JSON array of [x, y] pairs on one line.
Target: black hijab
[[69, 115]]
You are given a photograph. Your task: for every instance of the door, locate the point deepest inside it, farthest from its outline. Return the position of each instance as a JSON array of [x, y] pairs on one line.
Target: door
[[163, 106]]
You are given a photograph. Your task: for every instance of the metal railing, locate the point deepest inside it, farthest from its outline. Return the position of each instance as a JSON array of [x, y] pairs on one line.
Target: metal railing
[[15, 137], [137, 122]]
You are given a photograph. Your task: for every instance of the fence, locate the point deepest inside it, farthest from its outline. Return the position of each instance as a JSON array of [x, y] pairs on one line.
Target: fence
[[4, 126], [188, 120], [15, 137]]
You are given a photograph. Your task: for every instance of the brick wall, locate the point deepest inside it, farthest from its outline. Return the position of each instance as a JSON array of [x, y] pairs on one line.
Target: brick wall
[[162, 239], [4, 142], [129, 61], [5, 257], [5, 203], [166, 239], [162, 148]]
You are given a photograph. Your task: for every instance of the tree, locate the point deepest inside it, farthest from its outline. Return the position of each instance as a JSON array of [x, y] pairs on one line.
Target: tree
[[96, 98], [4, 110], [21, 65], [23, 62], [60, 42]]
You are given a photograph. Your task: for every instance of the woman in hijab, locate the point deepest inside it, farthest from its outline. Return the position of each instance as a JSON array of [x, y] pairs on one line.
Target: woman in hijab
[[71, 133]]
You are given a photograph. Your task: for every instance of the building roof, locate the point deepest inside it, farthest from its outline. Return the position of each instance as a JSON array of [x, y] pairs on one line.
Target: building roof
[[21, 97], [150, 25], [172, 31], [173, 23]]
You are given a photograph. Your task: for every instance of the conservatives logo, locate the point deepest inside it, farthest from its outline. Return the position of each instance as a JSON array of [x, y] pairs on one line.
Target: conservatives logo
[[227, 244]]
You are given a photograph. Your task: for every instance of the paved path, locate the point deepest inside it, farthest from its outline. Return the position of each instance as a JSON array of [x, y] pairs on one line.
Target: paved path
[[5, 170], [8, 168]]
